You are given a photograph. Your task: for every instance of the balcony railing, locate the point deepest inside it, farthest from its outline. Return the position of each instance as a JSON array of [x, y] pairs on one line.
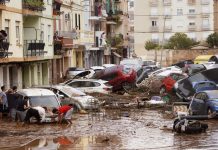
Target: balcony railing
[[34, 48], [154, 29], [167, 2], [205, 2], [154, 3], [191, 2], [2, 2], [192, 27], [205, 27], [192, 15], [4, 50], [57, 47], [205, 14], [37, 5]]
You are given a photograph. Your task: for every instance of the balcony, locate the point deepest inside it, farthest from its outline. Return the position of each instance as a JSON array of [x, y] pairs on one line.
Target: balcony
[[168, 28], [192, 28], [192, 15], [205, 2], [154, 29], [34, 48], [167, 2], [205, 14], [205, 27], [115, 41], [4, 50], [66, 38], [153, 3], [37, 5], [57, 47], [191, 2], [57, 7]]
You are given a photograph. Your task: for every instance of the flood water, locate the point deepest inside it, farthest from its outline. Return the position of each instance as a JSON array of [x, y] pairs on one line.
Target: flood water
[[141, 130]]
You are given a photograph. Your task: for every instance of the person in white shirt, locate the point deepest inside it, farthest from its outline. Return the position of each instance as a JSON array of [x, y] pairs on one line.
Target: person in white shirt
[[37, 112]]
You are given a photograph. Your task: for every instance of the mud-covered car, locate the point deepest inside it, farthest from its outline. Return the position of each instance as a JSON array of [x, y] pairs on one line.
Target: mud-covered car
[[69, 95], [118, 76], [187, 87], [204, 103], [43, 98], [169, 81]]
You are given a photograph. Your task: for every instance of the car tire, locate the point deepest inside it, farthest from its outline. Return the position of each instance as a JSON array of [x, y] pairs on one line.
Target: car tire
[[162, 90]]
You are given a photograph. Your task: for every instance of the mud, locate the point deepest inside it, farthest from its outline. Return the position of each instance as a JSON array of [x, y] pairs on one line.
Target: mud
[[110, 129]]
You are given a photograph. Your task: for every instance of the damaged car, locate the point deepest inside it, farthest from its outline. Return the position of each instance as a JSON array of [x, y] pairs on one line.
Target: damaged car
[[118, 76], [204, 80], [204, 103], [90, 85], [68, 95]]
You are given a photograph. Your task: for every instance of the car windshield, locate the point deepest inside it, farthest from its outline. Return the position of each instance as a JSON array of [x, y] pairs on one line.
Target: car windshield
[[44, 101], [204, 84], [72, 92]]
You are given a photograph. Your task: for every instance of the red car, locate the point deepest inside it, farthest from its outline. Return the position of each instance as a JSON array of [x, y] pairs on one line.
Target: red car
[[169, 81], [117, 76]]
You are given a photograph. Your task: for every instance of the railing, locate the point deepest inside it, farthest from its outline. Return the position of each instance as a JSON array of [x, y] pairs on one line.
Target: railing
[[167, 2], [37, 5], [34, 48], [57, 47], [4, 50], [2, 2]]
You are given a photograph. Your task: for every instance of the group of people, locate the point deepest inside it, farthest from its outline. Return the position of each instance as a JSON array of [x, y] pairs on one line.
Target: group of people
[[18, 108]]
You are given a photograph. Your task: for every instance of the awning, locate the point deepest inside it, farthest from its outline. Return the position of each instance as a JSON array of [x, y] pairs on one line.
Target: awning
[[111, 22], [116, 54]]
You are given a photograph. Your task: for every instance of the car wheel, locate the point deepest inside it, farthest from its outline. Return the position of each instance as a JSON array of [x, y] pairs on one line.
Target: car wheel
[[209, 111], [162, 90]]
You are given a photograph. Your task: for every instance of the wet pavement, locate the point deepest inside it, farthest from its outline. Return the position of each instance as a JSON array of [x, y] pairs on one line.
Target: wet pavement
[[114, 130]]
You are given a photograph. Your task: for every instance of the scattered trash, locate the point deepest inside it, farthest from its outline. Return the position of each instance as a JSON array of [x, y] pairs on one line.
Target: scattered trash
[[156, 100]]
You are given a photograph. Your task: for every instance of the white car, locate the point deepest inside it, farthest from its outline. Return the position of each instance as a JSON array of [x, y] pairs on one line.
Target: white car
[[67, 95], [97, 68], [44, 98], [90, 85], [108, 65], [165, 71]]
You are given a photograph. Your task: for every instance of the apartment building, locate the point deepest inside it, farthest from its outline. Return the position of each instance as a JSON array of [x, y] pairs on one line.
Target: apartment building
[[32, 54], [131, 28], [158, 20]]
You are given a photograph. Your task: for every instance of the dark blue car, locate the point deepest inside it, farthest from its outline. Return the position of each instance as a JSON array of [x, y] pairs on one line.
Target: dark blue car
[[204, 103]]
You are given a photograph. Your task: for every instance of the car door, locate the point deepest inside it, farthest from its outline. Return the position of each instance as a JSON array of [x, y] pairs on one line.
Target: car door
[[197, 104], [78, 85]]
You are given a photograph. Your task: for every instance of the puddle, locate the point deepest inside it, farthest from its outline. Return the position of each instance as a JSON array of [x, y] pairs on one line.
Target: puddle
[[65, 143]]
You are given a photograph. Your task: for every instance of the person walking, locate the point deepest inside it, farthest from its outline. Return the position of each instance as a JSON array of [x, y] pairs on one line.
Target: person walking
[[12, 103], [3, 101]]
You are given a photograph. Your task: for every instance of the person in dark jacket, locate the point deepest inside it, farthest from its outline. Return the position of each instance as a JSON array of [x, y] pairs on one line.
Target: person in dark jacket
[[22, 105], [12, 103]]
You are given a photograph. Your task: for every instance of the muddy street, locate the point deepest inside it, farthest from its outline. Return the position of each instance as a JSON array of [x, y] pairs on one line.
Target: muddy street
[[143, 129]]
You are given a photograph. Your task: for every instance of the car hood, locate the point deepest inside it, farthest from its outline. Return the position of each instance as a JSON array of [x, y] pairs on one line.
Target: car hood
[[85, 100]]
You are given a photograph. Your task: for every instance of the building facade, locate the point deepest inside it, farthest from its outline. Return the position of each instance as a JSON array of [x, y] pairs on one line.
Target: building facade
[[158, 20]]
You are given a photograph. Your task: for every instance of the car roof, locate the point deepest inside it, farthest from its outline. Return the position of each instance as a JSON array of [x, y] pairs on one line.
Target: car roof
[[35, 92], [93, 80]]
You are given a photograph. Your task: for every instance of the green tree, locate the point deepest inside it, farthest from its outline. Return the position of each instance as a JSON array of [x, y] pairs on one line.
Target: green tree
[[149, 45], [212, 40], [179, 41]]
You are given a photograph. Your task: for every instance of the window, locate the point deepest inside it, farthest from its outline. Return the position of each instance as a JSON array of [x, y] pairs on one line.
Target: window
[[79, 21], [155, 37], [167, 11], [75, 84], [7, 29], [198, 96], [191, 11], [192, 23], [76, 20], [49, 34], [17, 32], [205, 22], [205, 9], [179, 12], [42, 32], [154, 23]]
